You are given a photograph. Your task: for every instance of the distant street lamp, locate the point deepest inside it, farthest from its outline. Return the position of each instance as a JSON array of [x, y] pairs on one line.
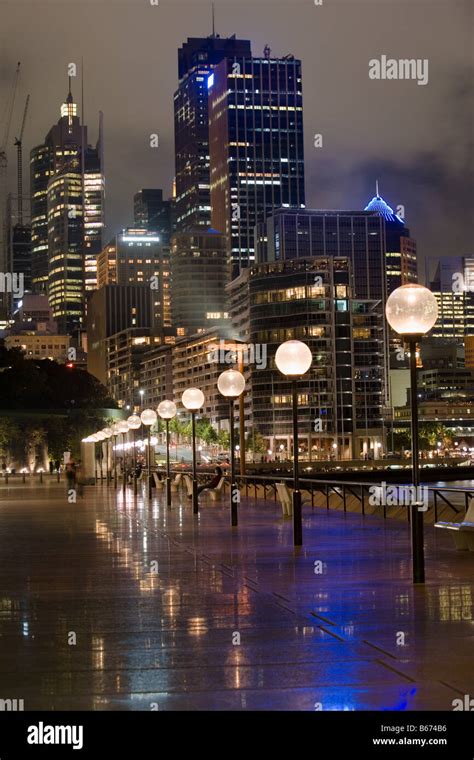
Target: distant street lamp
[[100, 438], [167, 410], [412, 311], [231, 384], [107, 431], [115, 433], [293, 358], [134, 423], [149, 417], [193, 399]]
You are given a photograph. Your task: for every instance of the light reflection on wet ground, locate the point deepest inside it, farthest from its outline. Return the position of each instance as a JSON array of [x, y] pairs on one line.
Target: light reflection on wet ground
[[172, 610]]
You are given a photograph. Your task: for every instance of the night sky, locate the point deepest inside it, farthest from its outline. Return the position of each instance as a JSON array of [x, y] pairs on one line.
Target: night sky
[[414, 139]]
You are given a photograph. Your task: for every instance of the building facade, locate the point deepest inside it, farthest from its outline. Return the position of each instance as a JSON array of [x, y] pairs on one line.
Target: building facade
[[196, 60], [256, 146], [138, 256], [67, 214], [199, 275], [340, 400]]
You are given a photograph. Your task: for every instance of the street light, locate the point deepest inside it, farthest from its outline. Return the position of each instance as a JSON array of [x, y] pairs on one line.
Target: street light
[[100, 438], [115, 433], [193, 399], [231, 384], [149, 417], [123, 428], [107, 431], [293, 358], [134, 423], [167, 410], [411, 311]]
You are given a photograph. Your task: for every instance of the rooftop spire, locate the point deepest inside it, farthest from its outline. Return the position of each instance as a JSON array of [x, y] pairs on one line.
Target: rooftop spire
[[69, 98], [213, 20], [377, 188]]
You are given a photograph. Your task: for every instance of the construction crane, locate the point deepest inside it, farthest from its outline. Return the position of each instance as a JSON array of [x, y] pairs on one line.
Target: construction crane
[[7, 120], [19, 154]]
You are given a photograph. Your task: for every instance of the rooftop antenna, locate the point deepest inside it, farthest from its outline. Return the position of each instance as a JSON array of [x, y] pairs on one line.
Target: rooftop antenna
[[377, 188], [213, 20]]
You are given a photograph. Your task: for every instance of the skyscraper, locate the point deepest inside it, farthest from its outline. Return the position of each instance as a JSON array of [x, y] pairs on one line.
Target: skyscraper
[[400, 248], [196, 59], [199, 275], [153, 213], [67, 208], [256, 146]]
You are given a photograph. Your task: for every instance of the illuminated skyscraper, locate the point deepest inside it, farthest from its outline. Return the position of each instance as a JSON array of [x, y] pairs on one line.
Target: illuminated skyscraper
[[196, 60], [400, 248], [256, 146], [67, 215]]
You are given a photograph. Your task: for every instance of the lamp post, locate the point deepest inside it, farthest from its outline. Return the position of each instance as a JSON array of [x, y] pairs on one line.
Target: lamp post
[[148, 417], [123, 427], [231, 384], [134, 423], [100, 438], [193, 399], [115, 433], [293, 358], [108, 434], [412, 311], [167, 410]]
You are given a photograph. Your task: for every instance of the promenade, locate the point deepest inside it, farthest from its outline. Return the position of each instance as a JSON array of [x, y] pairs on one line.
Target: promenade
[[112, 604]]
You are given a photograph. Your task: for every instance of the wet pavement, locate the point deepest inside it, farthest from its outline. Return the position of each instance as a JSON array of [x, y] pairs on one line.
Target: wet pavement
[[109, 603]]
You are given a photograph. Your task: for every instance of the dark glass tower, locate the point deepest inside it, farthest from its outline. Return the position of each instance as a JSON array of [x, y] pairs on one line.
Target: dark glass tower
[[256, 146], [196, 59], [153, 213]]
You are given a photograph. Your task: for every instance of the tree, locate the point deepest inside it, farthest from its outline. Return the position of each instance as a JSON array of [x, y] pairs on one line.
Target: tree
[[9, 433], [223, 439], [256, 442]]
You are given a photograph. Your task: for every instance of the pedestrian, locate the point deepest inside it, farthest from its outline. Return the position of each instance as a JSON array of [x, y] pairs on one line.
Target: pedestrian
[[57, 465], [51, 466], [71, 474]]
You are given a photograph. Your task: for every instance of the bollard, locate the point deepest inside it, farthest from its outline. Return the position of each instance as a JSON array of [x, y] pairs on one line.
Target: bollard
[[41, 476]]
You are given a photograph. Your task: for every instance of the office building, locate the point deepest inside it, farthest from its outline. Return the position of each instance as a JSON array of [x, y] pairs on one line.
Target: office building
[[113, 309], [18, 247], [400, 248], [341, 399], [40, 344], [256, 146], [199, 275], [67, 215], [302, 233], [154, 214], [137, 256], [196, 60], [451, 280], [124, 352]]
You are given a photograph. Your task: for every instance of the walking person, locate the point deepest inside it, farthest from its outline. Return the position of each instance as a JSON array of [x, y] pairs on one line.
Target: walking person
[[71, 474]]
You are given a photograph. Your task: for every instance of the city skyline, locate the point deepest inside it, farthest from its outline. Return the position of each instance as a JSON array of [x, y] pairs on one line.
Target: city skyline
[[419, 168]]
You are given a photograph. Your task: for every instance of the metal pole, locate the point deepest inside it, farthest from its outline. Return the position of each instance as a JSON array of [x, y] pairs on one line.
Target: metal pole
[[195, 494], [297, 524], [124, 467], [149, 463], [134, 465], [234, 491], [417, 544], [168, 478], [114, 449], [242, 418]]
